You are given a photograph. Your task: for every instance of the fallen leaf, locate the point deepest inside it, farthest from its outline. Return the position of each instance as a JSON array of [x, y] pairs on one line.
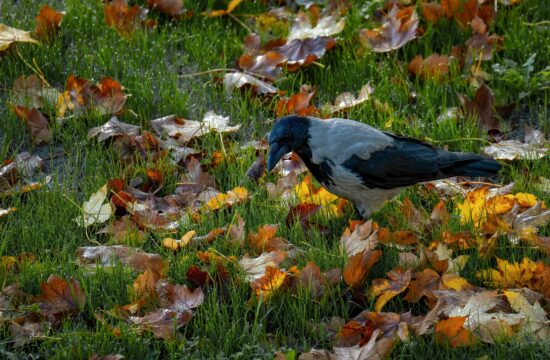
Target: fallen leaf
[[347, 100], [398, 28], [269, 283], [255, 268], [48, 22], [97, 209], [104, 255], [363, 237], [239, 80], [515, 150], [10, 36], [453, 331], [37, 124], [385, 289], [358, 266], [434, 66], [298, 103], [230, 7], [169, 7], [60, 298], [535, 322]]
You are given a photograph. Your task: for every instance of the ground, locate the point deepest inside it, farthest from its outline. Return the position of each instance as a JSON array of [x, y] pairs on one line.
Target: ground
[[159, 69]]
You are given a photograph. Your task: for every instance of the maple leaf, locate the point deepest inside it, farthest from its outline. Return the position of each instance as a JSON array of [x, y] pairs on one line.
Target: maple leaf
[[385, 289], [452, 330], [269, 283], [266, 65], [303, 52], [221, 200], [462, 11], [482, 47], [302, 213], [178, 297], [60, 298], [363, 237], [96, 210], [535, 321], [399, 28], [528, 273], [163, 323], [255, 268], [10, 36], [424, 283], [48, 22], [372, 350], [311, 279], [26, 331], [104, 255], [37, 124], [358, 266]]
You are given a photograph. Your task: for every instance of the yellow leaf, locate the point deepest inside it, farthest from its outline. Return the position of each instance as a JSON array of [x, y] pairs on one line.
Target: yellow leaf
[[170, 243], [473, 208], [525, 199], [500, 204], [187, 237], [454, 282], [216, 202], [269, 283]]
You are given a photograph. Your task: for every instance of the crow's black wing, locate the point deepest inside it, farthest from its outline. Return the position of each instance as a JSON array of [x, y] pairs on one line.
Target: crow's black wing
[[406, 162]]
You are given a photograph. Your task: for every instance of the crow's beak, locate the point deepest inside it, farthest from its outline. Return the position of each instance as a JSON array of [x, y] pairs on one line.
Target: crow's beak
[[275, 154]]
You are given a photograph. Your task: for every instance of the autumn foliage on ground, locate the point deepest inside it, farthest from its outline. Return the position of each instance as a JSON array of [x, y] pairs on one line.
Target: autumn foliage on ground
[[179, 216]]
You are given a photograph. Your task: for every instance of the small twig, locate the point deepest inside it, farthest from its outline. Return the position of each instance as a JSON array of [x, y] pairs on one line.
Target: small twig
[[36, 70], [206, 72], [480, 183]]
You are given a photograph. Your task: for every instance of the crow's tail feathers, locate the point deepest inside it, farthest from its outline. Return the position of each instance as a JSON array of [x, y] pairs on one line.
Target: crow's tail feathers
[[467, 164]]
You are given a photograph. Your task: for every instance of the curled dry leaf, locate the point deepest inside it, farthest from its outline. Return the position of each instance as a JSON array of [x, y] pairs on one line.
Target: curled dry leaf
[[515, 150], [10, 36], [113, 128], [104, 255], [347, 100], [363, 237], [399, 27], [230, 7], [239, 80], [302, 28], [48, 22], [266, 65], [303, 52], [385, 289], [434, 66], [37, 124]]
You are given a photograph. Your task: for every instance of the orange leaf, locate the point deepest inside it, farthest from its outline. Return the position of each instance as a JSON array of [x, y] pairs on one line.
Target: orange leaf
[[48, 22], [359, 265], [387, 289], [269, 283], [452, 330]]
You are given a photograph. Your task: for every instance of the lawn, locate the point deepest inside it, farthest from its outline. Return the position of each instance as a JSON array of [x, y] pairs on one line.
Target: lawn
[[177, 67]]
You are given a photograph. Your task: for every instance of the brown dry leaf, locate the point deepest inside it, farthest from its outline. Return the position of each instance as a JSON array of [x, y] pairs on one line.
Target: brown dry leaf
[[392, 325], [399, 27], [267, 65], [257, 170], [302, 213], [434, 66], [48, 22], [142, 262], [427, 281], [265, 239], [399, 237], [255, 268], [358, 266], [481, 108], [37, 124], [104, 256], [26, 331], [10, 36], [363, 237], [31, 92], [269, 283], [385, 289], [440, 215], [298, 103], [230, 7], [107, 357], [168, 7], [123, 18], [462, 11], [432, 12], [373, 350], [482, 47], [178, 297], [164, 323], [239, 80], [453, 331], [310, 278], [303, 52], [60, 298]]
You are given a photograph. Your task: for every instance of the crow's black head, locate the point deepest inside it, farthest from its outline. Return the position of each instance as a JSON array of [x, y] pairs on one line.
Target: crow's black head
[[289, 134]]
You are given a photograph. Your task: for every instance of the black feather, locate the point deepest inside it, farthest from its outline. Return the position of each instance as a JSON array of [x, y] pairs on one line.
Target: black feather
[[410, 161]]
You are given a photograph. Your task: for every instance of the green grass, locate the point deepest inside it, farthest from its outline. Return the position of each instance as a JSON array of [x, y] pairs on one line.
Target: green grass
[[149, 66]]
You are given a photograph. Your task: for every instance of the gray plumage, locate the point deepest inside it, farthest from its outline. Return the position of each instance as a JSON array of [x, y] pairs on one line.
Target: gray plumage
[[365, 165]]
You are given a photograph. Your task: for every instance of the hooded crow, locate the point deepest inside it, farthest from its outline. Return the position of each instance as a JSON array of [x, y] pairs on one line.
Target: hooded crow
[[365, 165]]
